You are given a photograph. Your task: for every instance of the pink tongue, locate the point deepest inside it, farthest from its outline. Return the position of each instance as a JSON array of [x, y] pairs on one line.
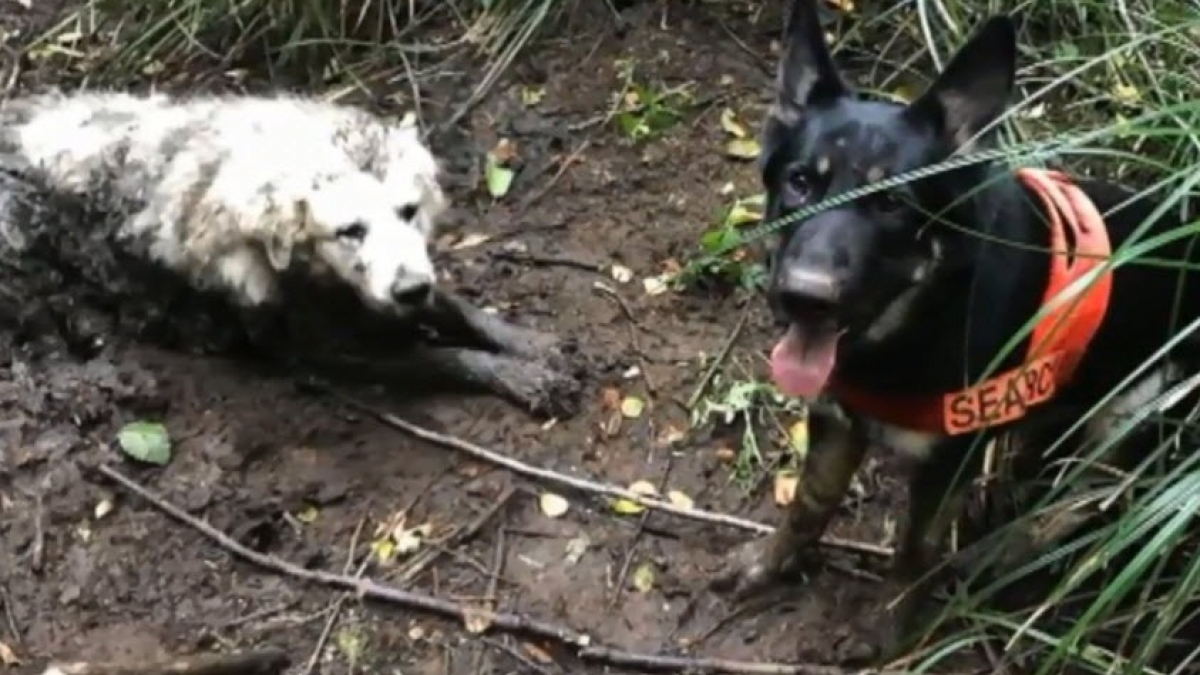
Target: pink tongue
[[801, 362]]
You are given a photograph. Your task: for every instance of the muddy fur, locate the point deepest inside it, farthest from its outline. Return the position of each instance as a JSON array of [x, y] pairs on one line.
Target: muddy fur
[[878, 296], [276, 226]]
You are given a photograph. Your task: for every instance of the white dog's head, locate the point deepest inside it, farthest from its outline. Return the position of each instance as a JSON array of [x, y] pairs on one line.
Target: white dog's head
[[348, 223]]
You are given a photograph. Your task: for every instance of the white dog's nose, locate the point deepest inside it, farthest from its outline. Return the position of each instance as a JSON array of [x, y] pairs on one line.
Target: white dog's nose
[[412, 292]]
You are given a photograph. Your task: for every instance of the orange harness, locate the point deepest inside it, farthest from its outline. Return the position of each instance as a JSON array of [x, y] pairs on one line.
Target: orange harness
[[1058, 343]]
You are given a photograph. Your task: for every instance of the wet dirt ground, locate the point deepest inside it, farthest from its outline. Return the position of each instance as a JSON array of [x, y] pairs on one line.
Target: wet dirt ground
[[295, 474]]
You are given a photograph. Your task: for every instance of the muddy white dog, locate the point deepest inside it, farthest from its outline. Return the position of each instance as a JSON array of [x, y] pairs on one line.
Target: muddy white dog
[[235, 195], [231, 192]]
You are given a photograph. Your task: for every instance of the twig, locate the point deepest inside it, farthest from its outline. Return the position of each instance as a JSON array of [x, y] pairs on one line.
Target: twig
[[335, 607], [634, 327], [516, 655], [458, 538], [720, 359], [637, 535], [9, 618], [529, 471], [367, 588], [37, 557], [255, 662], [562, 170], [489, 595], [546, 261]]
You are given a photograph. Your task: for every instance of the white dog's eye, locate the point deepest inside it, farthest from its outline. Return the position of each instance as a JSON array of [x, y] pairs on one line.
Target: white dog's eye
[[407, 212], [356, 231]]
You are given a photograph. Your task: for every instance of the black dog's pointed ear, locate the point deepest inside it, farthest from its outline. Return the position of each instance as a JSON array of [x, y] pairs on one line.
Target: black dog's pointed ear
[[974, 88], [806, 72]]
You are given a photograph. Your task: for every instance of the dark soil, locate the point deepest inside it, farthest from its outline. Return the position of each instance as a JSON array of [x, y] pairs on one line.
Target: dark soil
[[294, 474]]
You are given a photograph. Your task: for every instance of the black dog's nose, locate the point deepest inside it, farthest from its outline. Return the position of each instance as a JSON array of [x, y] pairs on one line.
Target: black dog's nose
[[808, 291], [412, 293]]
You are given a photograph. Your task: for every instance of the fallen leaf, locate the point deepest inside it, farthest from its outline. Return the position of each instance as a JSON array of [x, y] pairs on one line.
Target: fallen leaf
[[384, 549], [628, 507], [146, 441], [798, 437], [904, 93], [742, 148], [680, 499], [505, 151], [476, 620], [610, 398], [532, 96], [499, 178], [643, 578], [632, 407], [632, 373], [741, 214], [537, 653], [103, 508], [576, 547], [1126, 93], [409, 540], [470, 240], [786, 483], [844, 5], [656, 285], [308, 514], [621, 274], [731, 124], [351, 643], [671, 435], [726, 455], [554, 506], [416, 633], [7, 656]]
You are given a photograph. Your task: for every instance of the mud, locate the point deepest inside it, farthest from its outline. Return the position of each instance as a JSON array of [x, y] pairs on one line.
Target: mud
[[294, 474]]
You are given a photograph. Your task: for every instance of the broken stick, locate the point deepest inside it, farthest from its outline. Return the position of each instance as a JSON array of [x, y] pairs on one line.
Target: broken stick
[[253, 662]]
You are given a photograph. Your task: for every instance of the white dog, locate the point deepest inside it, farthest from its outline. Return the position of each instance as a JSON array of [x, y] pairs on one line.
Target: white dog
[[231, 192]]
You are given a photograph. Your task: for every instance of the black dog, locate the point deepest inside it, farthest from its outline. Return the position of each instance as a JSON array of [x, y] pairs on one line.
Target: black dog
[[897, 303]]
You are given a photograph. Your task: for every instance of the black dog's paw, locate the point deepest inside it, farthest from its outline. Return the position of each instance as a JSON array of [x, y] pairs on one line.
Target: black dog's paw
[[752, 568]]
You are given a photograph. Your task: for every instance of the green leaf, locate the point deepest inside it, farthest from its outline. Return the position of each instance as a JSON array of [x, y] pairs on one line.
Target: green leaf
[[146, 442], [499, 178]]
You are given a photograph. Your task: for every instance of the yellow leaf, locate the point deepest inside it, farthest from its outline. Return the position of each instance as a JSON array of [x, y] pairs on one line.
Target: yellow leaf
[[740, 214], [476, 620], [532, 96], [103, 508], [680, 499], [798, 437], [554, 506], [643, 578], [7, 656], [383, 549], [904, 93], [786, 483], [308, 514], [742, 148], [656, 285], [621, 274], [632, 407], [731, 124], [628, 507], [1126, 93]]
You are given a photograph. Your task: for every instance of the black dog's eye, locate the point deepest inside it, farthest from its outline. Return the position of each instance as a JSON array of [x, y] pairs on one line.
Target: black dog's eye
[[356, 231], [798, 186], [407, 212]]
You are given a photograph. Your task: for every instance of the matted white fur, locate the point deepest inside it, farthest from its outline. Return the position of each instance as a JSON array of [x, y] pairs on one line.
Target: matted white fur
[[233, 191]]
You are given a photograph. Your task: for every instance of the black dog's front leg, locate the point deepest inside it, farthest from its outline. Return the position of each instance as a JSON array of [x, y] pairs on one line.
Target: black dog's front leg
[[937, 489], [836, 450]]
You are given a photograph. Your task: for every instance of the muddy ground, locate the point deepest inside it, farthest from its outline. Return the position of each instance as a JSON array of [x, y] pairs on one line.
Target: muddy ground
[[294, 474]]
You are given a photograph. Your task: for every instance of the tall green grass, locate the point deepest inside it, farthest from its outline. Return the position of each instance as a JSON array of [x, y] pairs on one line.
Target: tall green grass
[[374, 46]]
